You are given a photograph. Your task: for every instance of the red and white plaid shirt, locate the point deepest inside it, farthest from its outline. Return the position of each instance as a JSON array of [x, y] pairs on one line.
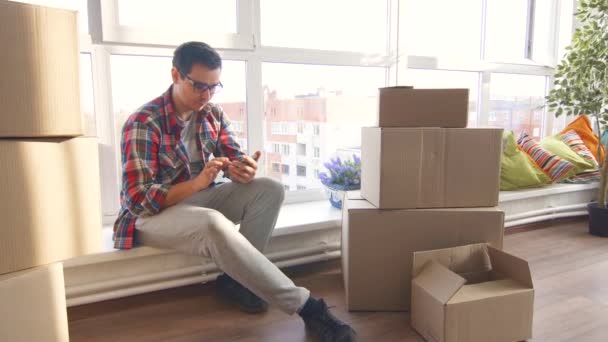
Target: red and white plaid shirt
[[154, 158]]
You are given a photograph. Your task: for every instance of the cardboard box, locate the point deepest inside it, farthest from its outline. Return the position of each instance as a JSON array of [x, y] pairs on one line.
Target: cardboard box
[[50, 201], [378, 247], [473, 293], [430, 167], [40, 83], [408, 107], [33, 305]]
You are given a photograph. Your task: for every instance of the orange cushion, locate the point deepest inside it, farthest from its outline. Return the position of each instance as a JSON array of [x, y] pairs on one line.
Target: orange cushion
[[582, 126]]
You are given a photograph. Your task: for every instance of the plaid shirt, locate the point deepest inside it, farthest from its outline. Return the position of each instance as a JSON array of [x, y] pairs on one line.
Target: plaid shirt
[[154, 158]]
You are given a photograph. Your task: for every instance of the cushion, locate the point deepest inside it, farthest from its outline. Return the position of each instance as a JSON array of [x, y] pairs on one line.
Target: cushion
[[556, 145], [582, 126], [555, 167], [517, 169], [574, 141]]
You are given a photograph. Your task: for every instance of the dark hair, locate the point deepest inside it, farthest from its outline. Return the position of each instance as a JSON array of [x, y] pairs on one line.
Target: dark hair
[[191, 53]]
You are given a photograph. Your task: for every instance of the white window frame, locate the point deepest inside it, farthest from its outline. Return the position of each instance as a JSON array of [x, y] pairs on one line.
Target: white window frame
[[107, 38], [106, 29]]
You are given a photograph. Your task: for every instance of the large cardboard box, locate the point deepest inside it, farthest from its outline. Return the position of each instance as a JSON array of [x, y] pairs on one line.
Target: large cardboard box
[[430, 167], [33, 305], [40, 84], [407, 107], [378, 247], [50, 201], [473, 293]]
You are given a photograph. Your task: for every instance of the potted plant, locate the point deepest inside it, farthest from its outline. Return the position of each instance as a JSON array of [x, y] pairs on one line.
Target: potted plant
[[342, 176], [581, 88]]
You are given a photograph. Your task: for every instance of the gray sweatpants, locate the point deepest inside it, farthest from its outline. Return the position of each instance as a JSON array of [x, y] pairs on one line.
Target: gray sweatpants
[[204, 225]]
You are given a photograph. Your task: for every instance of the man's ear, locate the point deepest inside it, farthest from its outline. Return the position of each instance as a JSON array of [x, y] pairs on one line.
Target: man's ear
[[175, 75]]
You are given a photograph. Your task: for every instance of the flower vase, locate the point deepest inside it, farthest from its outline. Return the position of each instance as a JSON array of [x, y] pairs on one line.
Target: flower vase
[[336, 193]]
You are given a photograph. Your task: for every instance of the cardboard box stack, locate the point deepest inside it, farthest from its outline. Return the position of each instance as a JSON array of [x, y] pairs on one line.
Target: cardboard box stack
[[427, 183], [50, 187]]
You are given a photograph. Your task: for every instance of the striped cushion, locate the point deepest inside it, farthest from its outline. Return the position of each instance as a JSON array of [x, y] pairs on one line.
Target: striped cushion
[[554, 166], [572, 139], [584, 178]]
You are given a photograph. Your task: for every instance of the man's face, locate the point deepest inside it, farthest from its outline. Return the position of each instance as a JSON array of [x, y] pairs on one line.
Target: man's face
[[193, 90]]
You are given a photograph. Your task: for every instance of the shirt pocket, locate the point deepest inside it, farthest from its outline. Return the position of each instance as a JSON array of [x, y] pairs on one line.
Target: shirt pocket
[[170, 165]]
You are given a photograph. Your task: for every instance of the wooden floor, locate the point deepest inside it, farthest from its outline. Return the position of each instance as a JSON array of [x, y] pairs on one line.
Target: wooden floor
[[569, 266]]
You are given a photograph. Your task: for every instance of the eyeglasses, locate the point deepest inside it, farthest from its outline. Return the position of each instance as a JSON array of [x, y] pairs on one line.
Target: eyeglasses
[[201, 87]]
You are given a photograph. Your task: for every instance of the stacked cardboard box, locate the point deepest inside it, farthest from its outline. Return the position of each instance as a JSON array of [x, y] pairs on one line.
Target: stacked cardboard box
[[50, 189], [427, 182]]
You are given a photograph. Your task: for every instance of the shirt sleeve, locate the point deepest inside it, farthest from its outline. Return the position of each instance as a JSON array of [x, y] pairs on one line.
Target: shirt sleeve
[[140, 145]]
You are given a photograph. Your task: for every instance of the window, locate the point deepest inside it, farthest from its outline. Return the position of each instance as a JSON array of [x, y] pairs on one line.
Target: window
[[285, 169], [301, 170], [291, 24], [276, 148], [317, 152], [502, 44], [276, 167], [300, 187], [182, 15], [285, 149], [442, 28], [421, 78], [517, 102], [301, 127], [170, 24], [301, 149], [337, 98]]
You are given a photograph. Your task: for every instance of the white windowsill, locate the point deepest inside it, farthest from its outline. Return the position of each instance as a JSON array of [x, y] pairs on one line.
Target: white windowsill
[[305, 217]]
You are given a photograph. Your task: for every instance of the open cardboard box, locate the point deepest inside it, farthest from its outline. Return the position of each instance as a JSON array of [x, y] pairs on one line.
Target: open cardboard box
[[472, 293]]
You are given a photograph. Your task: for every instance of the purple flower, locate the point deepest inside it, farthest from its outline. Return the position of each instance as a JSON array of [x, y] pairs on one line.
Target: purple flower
[[344, 173]]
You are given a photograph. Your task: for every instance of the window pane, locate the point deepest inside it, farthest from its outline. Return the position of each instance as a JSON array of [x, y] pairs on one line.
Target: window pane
[[421, 78], [506, 23], [139, 79], [515, 103], [341, 25], [442, 28], [329, 103], [86, 95], [180, 15]]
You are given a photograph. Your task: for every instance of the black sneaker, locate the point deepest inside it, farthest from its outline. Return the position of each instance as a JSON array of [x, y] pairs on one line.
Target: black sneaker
[[234, 292], [326, 326]]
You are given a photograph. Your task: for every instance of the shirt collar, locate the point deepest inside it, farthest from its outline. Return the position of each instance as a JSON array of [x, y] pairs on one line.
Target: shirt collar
[[171, 115]]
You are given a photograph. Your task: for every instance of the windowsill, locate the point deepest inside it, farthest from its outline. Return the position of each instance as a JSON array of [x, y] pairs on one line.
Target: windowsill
[[305, 217]]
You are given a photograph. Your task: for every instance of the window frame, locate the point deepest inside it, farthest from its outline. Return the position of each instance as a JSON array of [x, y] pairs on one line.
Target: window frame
[[106, 39]]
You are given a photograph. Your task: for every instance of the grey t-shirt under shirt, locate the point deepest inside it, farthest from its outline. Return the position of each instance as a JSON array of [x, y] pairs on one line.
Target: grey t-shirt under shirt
[[188, 138]]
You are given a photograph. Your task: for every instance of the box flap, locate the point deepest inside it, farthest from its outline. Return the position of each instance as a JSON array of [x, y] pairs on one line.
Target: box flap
[[488, 289], [511, 266], [438, 281], [464, 260]]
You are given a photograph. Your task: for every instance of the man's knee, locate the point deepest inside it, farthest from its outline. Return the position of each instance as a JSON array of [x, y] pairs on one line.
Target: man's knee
[[271, 188]]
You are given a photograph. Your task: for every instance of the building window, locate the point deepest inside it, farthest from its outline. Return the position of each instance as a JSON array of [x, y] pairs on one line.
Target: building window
[[316, 173], [317, 152], [301, 149], [285, 169], [276, 148], [276, 167], [316, 130], [301, 171], [300, 187], [285, 149], [300, 128]]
